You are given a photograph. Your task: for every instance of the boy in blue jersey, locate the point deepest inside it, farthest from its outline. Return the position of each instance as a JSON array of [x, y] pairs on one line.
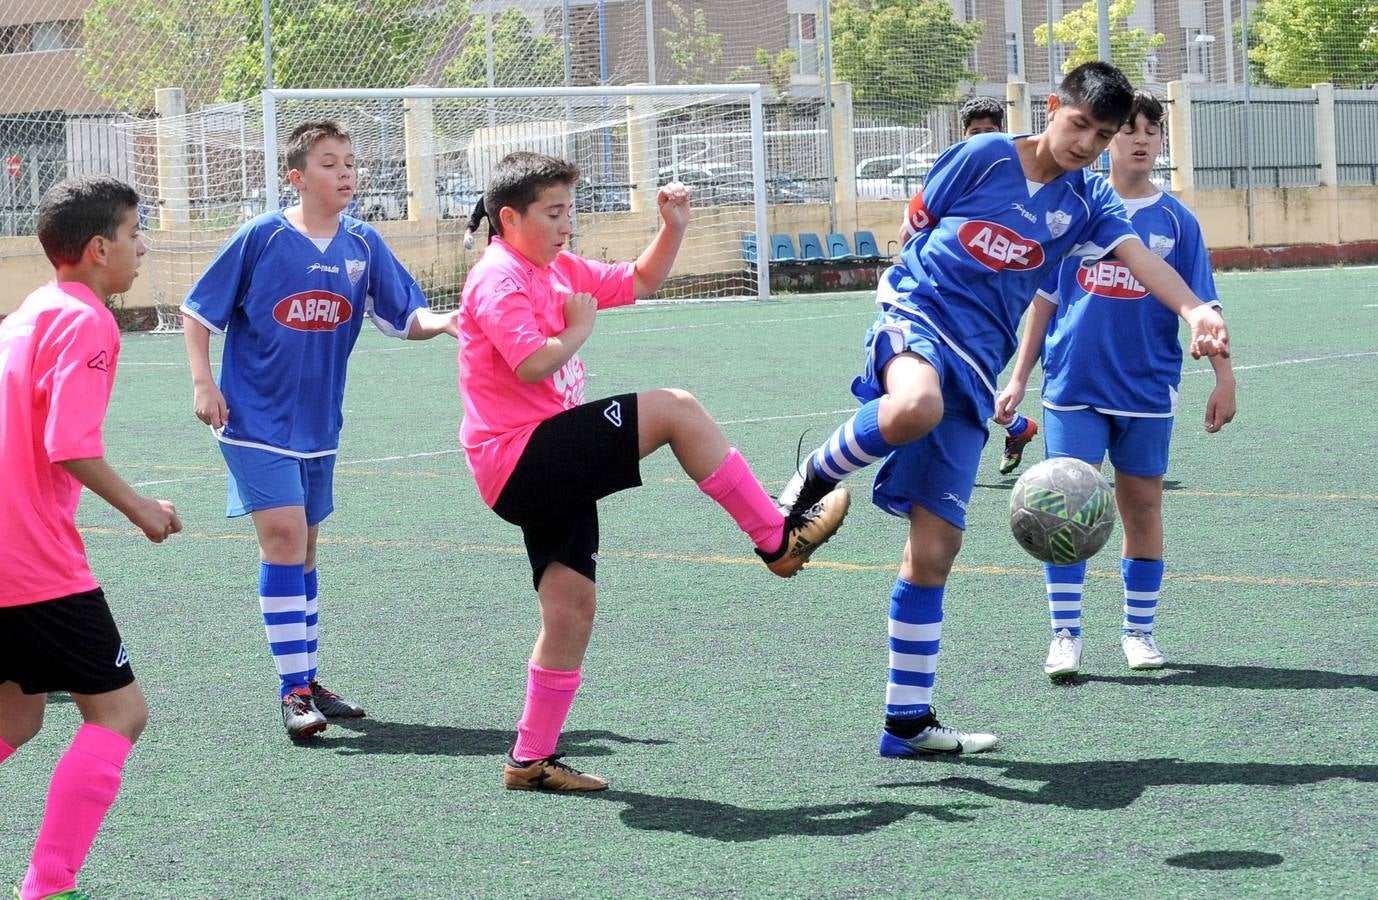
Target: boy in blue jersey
[[290, 292], [1111, 366], [996, 214]]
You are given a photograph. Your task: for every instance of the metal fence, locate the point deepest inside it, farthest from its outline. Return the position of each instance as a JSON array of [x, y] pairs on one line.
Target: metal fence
[[1356, 137], [1266, 138]]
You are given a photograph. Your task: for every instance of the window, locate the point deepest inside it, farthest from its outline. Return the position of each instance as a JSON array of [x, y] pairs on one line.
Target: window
[[1013, 64], [52, 36]]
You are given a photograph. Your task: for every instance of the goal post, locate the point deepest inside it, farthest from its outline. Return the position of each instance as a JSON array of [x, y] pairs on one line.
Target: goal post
[[622, 137]]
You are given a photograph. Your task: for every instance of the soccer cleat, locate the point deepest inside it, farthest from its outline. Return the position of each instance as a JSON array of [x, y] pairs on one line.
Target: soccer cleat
[[1014, 448], [934, 738], [1064, 656], [1140, 650], [548, 774], [69, 894], [332, 705], [300, 716], [805, 532]]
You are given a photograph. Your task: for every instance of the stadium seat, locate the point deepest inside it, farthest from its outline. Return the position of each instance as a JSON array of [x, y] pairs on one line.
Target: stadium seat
[[782, 249], [810, 247], [839, 250], [748, 248], [866, 247]]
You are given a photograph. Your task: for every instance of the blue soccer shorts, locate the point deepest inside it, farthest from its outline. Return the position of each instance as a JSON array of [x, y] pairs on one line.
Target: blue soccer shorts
[[1138, 445], [261, 479], [938, 471]]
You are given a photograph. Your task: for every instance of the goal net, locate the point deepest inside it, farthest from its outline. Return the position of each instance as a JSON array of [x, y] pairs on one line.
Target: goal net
[[424, 155]]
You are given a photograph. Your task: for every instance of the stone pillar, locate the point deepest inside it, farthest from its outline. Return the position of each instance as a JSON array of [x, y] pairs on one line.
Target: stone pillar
[[642, 154], [1019, 119], [844, 157], [1326, 150], [1180, 138], [174, 194], [418, 126]]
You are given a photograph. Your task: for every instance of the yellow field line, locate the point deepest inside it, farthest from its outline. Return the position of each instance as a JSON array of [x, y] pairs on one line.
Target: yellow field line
[[715, 559]]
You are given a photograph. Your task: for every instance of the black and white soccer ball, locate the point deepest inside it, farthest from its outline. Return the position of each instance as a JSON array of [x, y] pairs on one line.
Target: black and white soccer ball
[[1062, 511]]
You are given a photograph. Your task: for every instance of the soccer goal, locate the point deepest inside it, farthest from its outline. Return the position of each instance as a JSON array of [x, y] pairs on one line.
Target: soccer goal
[[424, 156]]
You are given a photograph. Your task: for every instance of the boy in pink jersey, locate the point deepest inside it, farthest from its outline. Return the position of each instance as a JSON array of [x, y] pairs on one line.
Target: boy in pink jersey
[[57, 365], [543, 457]]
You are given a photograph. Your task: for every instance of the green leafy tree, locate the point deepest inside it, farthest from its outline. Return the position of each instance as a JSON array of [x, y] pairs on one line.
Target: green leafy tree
[[694, 50], [902, 55], [520, 56], [213, 49], [779, 68], [1129, 47], [1303, 42]]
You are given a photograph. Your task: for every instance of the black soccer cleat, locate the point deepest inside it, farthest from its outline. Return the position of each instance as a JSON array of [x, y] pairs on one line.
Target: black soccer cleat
[[300, 716], [332, 705]]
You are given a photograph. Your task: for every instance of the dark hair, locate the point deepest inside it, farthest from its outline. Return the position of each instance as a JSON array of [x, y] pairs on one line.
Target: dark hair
[[1101, 88], [305, 136], [1148, 106], [77, 209], [982, 108], [519, 179]]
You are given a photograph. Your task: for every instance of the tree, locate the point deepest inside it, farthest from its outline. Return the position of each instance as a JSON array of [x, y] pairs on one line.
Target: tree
[[694, 50], [779, 68], [1129, 47], [1303, 42], [903, 55], [520, 56], [213, 49]]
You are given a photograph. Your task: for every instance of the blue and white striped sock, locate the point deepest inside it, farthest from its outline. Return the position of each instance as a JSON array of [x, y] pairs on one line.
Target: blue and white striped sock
[[854, 445], [916, 625], [1143, 580], [1017, 426], [282, 597], [1065, 587], [312, 617]]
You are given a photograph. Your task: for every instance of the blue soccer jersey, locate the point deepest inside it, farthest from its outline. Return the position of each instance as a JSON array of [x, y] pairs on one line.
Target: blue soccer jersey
[[291, 312], [1111, 346], [986, 237]]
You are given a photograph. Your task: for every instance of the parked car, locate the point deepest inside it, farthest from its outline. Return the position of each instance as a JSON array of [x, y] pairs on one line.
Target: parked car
[[892, 177], [381, 193], [456, 196]]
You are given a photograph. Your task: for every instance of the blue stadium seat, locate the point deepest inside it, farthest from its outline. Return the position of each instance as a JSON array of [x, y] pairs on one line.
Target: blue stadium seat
[[782, 249], [749, 248], [810, 247], [839, 250], [866, 247]]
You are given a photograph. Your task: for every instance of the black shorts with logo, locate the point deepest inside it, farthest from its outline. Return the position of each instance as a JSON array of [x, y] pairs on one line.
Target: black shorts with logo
[[572, 460], [68, 644]]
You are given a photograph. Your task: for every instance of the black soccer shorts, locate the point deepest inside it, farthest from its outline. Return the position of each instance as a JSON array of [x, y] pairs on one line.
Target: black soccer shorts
[[573, 459], [68, 644]]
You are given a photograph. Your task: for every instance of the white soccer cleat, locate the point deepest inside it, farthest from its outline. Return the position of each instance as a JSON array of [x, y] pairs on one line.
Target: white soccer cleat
[[935, 737], [1141, 652], [1064, 655]]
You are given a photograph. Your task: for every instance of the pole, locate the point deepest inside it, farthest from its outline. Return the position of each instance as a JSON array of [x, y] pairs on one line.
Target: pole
[[488, 51], [650, 42], [564, 33], [758, 182], [1052, 62], [267, 46], [1229, 43], [1103, 30], [828, 113], [1248, 131]]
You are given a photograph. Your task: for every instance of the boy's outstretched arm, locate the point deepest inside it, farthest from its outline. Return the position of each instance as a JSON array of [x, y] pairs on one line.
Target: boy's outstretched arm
[[157, 519], [427, 324], [207, 401], [1209, 336], [1030, 347], [653, 265], [1221, 406]]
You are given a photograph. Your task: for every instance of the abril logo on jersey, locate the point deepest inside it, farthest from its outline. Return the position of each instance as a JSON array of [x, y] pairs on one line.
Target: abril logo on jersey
[[1112, 280], [997, 247], [313, 311]]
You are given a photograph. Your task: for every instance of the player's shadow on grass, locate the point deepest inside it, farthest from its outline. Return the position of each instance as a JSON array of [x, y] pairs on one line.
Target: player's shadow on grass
[[1252, 677], [378, 736], [738, 824], [1116, 784]]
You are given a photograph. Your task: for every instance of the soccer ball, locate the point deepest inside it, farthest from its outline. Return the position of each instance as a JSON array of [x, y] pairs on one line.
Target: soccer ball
[[1062, 511]]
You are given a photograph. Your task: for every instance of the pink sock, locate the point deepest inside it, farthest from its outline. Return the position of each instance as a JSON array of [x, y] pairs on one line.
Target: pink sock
[[549, 695], [736, 490], [84, 784], [6, 751]]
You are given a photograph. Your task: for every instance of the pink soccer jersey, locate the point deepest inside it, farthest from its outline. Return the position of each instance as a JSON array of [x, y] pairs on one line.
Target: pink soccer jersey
[[57, 367], [510, 306]]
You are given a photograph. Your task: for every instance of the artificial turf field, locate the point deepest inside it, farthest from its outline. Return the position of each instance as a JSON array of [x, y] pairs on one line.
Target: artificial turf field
[[737, 714]]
